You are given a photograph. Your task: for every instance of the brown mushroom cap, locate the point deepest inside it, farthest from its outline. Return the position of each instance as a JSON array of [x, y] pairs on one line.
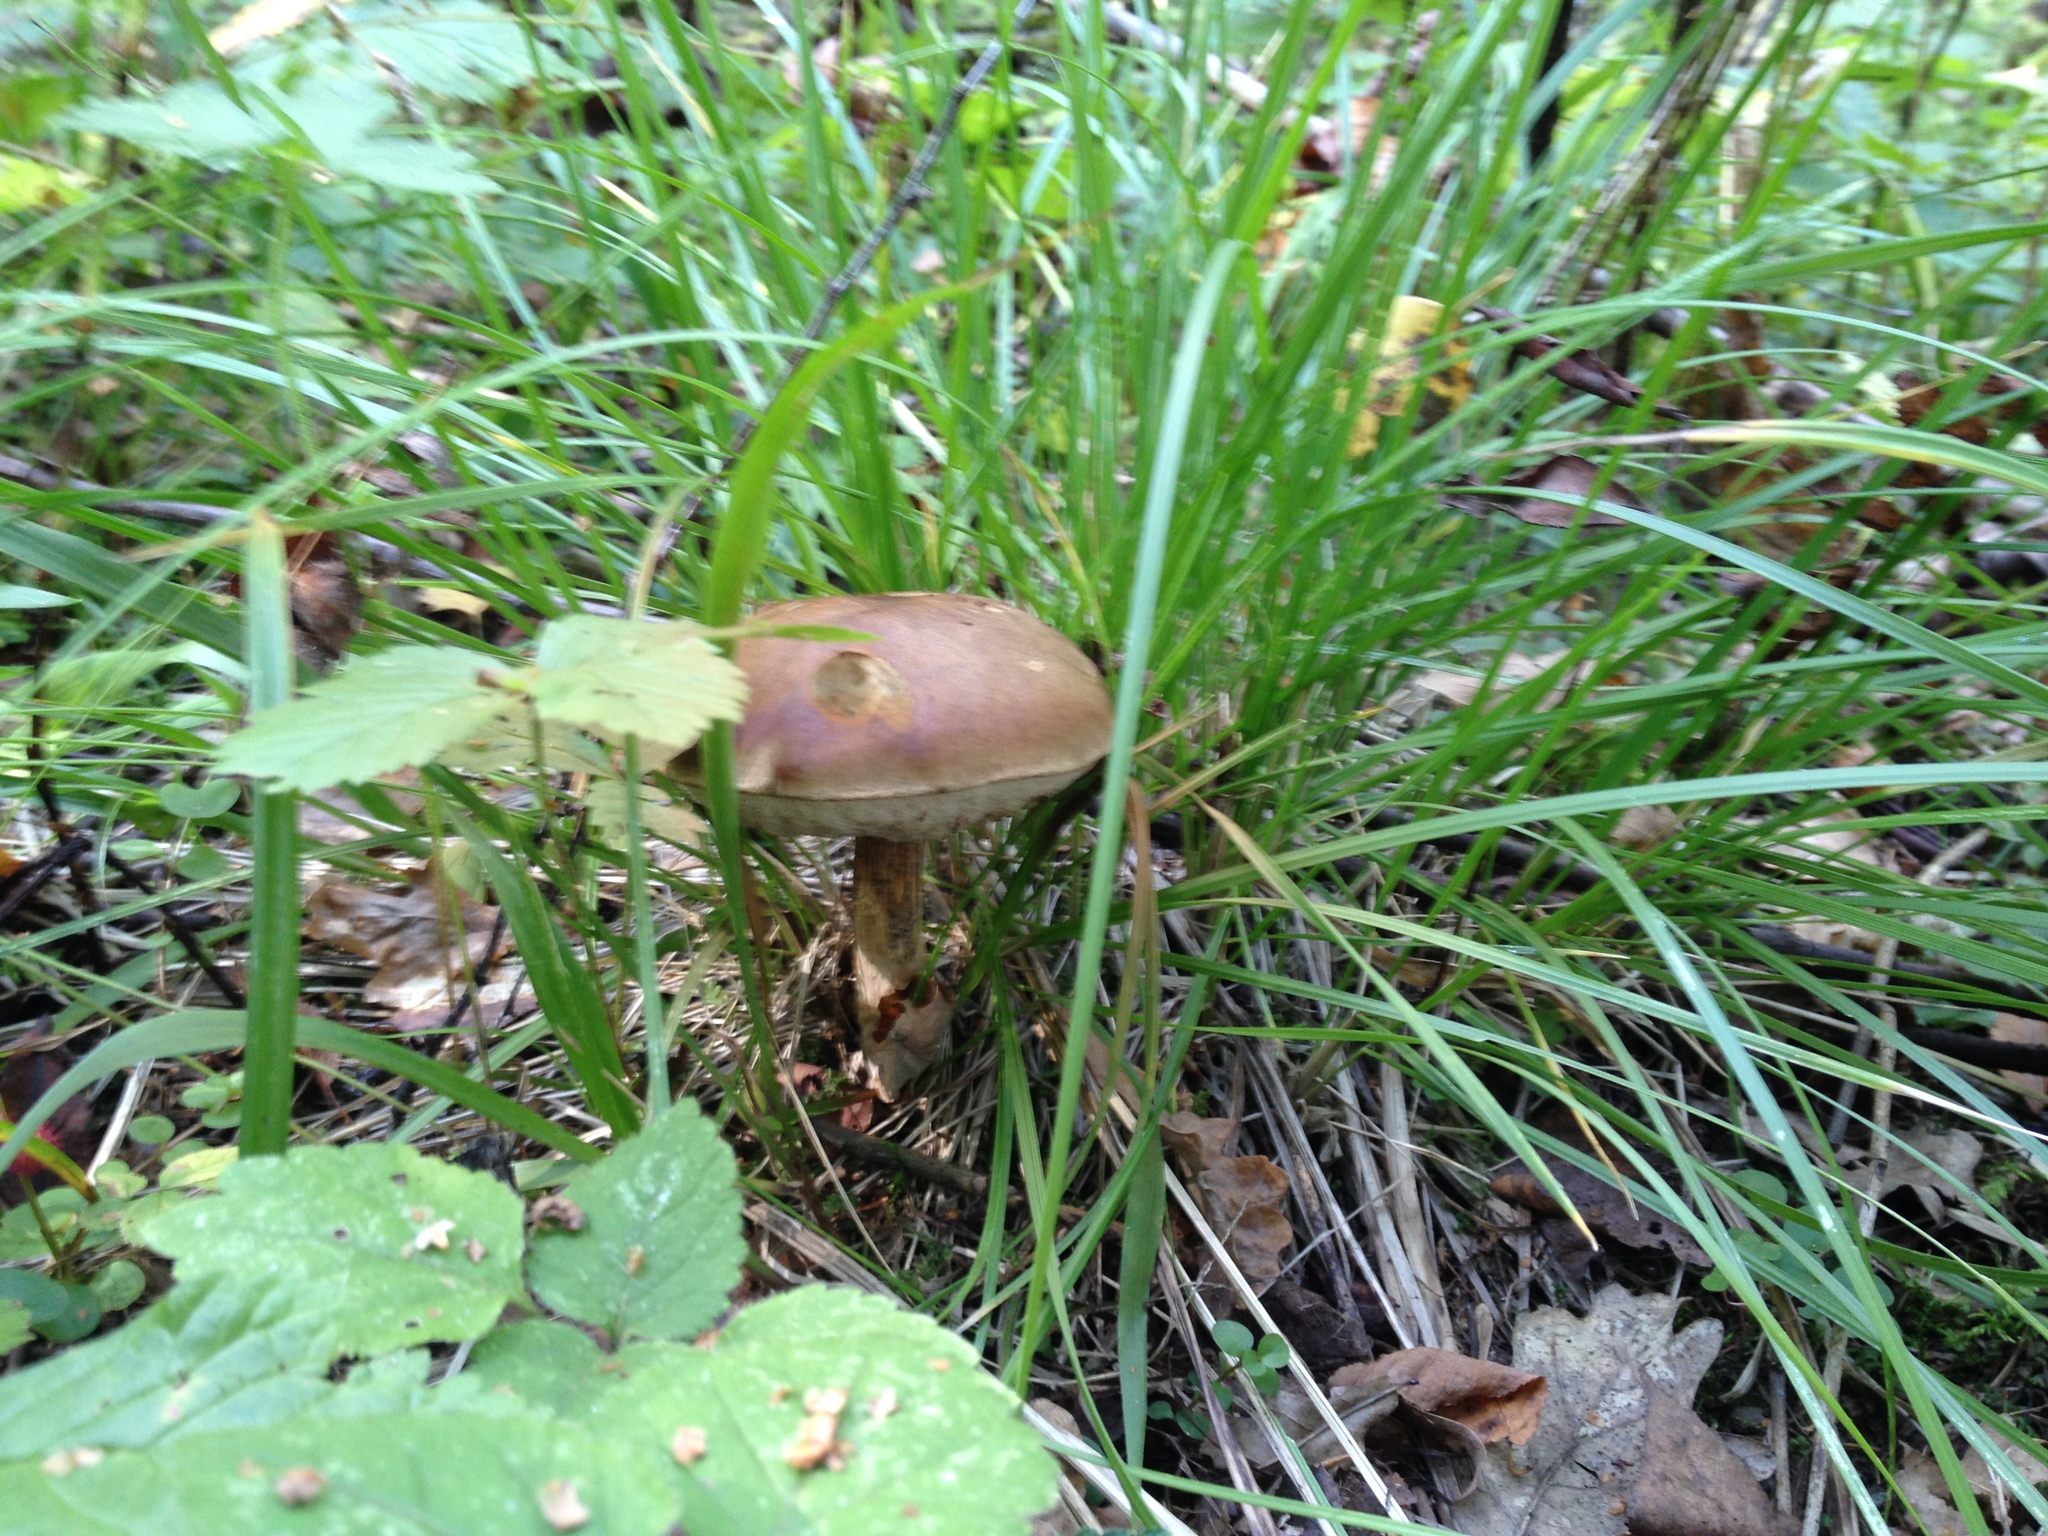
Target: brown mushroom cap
[[959, 710]]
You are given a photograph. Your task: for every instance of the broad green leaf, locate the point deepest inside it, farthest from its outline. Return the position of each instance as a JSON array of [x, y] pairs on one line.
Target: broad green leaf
[[199, 802], [663, 682], [151, 1130], [551, 1365], [215, 1352], [15, 1329], [422, 1250], [37, 1294], [397, 709], [932, 1445], [418, 1473], [659, 816], [195, 120], [339, 119], [660, 1246]]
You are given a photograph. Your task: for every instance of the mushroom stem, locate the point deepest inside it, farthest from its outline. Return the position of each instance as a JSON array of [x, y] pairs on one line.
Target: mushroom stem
[[888, 918]]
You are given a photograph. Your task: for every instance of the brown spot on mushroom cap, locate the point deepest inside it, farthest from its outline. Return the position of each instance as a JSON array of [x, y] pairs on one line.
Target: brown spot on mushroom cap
[[959, 710]]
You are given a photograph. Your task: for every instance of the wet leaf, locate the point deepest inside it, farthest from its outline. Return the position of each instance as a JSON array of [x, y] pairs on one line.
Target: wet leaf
[[348, 1219], [660, 1244]]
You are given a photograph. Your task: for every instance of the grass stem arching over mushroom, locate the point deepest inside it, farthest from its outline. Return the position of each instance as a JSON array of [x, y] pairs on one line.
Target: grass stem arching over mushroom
[[959, 710]]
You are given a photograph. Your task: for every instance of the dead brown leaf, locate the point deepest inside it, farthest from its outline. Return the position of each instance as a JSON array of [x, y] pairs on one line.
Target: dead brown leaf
[[1925, 1491], [1580, 369], [1244, 1199], [407, 934], [1607, 1211], [1618, 1450], [327, 605], [1194, 1141], [1495, 1402]]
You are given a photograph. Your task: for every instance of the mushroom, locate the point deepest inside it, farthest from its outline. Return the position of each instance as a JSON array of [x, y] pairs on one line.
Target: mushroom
[[961, 709]]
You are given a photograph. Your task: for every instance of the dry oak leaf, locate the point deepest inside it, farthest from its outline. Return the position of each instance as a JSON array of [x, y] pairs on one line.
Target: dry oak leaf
[[1495, 1402], [1194, 1141], [404, 933], [1243, 1197], [1618, 1450]]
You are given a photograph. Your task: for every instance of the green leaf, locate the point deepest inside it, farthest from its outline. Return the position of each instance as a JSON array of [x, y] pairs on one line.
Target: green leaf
[[195, 121], [150, 1130], [40, 1296], [424, 1472], [663, 682], [933, 1445], [119, 1285], [199, 802], [15, 1329], [338, 119], [660, 1246], [75, 1319], [397, 709], [12, 596], [1233, 1338], [549, 1364], [390, 1229], [215, 1352]]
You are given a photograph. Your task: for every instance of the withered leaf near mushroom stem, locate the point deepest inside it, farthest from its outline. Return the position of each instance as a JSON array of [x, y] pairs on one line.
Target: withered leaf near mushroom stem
[[1565, 475]]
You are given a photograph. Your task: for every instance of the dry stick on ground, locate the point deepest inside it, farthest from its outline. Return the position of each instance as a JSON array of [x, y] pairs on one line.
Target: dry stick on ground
[[1409, 1319], [1403, 1174]]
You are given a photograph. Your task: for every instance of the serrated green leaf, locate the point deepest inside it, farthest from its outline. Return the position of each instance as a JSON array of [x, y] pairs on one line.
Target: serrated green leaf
[[195, 120], [506, 740], [379, 1223], [932, 1445], [397, 709], [420, 1473], [660, 1245], [663, 682], [339, 119], [215, 1352]]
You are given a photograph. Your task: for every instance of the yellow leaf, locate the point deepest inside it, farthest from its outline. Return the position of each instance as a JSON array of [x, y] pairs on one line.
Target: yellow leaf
[[1410, 327]]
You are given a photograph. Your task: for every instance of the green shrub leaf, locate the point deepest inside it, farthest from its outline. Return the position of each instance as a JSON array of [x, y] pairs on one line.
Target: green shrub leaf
[[660, 1245], [397, 709], [927, 1442], [618, 677], [422, 1250]]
